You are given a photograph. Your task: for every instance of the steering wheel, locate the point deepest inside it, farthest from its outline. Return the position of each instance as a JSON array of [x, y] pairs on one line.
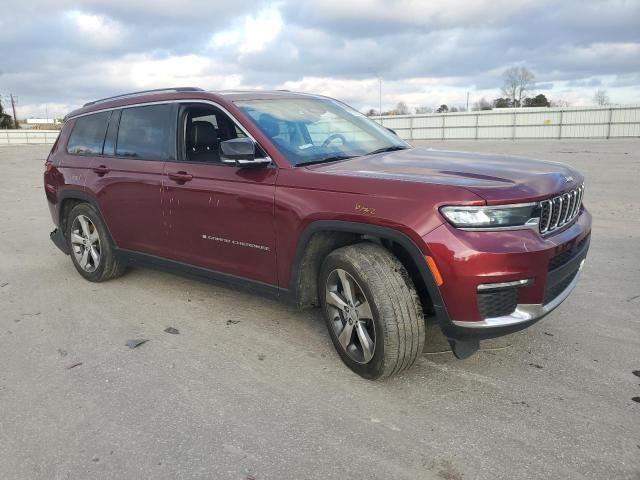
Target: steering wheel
[[333, 137]]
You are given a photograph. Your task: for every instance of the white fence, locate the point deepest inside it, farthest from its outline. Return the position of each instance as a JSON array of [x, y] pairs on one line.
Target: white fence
[[519, 123], [21, 137]]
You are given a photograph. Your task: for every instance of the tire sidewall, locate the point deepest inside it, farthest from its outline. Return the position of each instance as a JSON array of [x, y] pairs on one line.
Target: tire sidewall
[[375, 368], [105, 243]]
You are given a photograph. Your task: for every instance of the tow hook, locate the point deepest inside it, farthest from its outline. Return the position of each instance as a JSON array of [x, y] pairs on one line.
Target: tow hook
[[464, 348]]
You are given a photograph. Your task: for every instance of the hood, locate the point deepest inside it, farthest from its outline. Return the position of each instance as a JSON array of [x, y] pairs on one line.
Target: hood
[[496, 178]]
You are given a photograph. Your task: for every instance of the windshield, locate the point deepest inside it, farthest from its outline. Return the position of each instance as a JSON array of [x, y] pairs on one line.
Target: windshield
[[314, 130]]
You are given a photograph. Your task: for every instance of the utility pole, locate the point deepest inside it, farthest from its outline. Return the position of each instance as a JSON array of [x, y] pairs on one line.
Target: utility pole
[[467, 101], [380, 94], [13, 107]]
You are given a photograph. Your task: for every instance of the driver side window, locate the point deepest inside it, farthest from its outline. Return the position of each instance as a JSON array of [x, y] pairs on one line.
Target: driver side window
[[204, 127]]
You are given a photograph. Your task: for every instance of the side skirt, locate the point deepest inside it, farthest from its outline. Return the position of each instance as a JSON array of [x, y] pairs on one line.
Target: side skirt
[[198, 273]]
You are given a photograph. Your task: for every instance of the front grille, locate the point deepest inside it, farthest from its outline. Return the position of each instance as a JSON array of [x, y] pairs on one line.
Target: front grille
[[560, 210], [558, 288], [567, 255], [498, 303]]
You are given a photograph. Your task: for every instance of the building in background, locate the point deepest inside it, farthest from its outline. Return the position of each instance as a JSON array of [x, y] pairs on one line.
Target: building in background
[[41, 124]]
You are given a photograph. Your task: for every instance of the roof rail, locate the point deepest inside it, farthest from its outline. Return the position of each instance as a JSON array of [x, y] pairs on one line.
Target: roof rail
[[145, 92]]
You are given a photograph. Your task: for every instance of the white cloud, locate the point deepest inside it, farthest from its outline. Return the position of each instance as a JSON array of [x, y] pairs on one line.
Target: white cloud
[[66, 52], [102, 32], [253, 35], [417, 12]]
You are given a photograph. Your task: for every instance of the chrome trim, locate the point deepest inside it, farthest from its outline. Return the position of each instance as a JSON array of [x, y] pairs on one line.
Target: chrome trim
[[483, 287], [524, 312], [490, 207], [546, 227], [257, 161], [567, 207], [557, 222], [566, 211]]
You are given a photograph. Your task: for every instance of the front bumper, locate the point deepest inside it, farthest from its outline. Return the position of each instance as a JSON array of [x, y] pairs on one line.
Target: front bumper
[[551, 266], [524, 315]]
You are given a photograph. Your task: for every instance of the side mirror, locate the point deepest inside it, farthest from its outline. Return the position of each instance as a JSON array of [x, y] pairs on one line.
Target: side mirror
[[392, 131], [241, 152]]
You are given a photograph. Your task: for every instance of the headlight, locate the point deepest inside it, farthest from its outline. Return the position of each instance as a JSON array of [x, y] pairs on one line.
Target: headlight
[[499, 216]]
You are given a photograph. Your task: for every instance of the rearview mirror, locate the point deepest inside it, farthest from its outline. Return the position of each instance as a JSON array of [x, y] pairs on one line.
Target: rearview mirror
[[240, 151]]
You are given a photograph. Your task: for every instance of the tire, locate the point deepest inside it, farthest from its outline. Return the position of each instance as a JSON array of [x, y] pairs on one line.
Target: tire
[[397, 327], [92, 252]]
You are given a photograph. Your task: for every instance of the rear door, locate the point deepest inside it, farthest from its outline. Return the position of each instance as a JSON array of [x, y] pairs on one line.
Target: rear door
[[218, 216], [127, 177], [84, 143]]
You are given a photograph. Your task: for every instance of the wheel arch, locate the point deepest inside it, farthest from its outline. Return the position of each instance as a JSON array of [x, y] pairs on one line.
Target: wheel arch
[[68, 199], [323, 236]]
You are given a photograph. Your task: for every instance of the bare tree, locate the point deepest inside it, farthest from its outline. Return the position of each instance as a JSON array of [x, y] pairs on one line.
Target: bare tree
[[422, 110], [517, 82], [559, 103], [402, 109], [601, 98]]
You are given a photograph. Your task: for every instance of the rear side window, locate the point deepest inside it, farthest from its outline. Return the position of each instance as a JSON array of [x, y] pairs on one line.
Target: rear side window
[[88, 134], [148, 132]]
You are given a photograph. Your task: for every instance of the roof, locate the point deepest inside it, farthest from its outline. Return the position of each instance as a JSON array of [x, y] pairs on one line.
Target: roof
[[179, 93]]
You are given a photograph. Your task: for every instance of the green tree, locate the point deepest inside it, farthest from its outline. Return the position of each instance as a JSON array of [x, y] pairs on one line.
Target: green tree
[[538, 101], [442, 109], [6, 121], [502, 103], [481, 104]]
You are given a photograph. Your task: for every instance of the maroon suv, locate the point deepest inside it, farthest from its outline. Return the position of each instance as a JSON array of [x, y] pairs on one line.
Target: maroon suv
[[302, 197]]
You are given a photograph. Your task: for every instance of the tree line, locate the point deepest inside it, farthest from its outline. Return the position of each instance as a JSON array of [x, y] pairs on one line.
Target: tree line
[[517, 91]]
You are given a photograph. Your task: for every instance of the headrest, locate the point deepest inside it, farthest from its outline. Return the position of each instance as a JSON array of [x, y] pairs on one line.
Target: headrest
[[269, 125], [203, 134]]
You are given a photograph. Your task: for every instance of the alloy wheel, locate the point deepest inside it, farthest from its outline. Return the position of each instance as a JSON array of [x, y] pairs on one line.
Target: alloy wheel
[[85, 243], [350, 316]]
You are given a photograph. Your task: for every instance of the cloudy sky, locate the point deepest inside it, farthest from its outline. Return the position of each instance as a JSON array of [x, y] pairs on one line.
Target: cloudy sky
[[57, 54]]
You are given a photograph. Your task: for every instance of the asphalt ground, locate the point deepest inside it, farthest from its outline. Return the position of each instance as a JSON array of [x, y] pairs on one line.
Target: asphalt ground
[[252, 389]]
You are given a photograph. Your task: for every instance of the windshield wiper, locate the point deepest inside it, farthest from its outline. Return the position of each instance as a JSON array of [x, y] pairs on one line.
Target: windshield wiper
[[333, 158], [388, 149]]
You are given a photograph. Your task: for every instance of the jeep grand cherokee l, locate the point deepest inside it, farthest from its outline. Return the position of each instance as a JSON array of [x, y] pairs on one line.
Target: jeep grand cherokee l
[[301, 197]]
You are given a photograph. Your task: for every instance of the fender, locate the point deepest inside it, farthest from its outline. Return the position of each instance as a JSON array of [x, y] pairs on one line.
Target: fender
[[382, 232]]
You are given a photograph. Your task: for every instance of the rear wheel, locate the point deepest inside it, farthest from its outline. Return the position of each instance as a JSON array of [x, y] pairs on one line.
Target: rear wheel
[[90, 245], [372, 310]]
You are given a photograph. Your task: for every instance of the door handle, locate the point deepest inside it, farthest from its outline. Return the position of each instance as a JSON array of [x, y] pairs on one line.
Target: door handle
[[181, 177], [102, 170]]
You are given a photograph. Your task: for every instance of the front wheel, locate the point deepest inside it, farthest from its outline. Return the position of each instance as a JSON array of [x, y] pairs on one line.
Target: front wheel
[[372, 310]]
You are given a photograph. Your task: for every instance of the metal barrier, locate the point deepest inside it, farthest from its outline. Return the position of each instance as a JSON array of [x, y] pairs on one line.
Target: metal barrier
[[520, 123], [23, 137], [517, 123]]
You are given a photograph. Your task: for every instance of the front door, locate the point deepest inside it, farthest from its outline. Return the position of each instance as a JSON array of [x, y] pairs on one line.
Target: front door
[[218, 216]]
